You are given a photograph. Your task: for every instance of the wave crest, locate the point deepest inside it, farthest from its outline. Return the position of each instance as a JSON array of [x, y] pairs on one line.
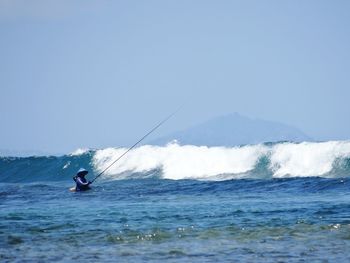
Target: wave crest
[[280, 160], [217, 163], [182, 162]]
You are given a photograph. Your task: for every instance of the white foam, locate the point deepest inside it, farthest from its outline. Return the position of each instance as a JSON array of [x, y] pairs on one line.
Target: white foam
[[306, 159], [180, 162], [217, 163], [79, 151], [66, 165]]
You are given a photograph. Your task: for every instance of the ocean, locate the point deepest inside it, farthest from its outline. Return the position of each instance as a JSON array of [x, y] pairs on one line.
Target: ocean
[[273, 202]]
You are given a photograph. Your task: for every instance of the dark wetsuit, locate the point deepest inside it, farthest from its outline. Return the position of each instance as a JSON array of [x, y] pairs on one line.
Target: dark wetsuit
[[82, 183]]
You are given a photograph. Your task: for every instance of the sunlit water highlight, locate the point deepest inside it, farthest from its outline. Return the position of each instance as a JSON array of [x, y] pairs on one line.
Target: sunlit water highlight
[[281, 203], [157, 220]]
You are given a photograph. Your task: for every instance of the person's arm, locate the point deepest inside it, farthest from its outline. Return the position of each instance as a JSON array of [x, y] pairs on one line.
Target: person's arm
[[80, 182]]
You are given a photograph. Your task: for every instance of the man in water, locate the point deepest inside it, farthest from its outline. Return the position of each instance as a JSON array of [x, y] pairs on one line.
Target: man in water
[[81, 183]]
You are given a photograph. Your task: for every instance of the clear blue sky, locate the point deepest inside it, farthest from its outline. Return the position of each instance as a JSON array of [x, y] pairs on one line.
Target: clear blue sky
[[102, 73]]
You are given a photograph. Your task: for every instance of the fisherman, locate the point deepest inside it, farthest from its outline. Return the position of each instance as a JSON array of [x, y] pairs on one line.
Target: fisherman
[[81, 183]]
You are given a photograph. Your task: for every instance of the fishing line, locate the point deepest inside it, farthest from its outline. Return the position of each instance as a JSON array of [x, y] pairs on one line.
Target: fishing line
[[133, 146]]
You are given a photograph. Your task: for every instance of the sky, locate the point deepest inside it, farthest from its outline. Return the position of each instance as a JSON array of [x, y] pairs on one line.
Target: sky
[[102, 73]]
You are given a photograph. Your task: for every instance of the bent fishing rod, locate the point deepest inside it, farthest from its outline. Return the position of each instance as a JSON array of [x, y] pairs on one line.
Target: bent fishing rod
[[144, 137]]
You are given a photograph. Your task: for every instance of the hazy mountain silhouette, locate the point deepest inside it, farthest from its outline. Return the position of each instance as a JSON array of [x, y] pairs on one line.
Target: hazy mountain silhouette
[[234, 129]]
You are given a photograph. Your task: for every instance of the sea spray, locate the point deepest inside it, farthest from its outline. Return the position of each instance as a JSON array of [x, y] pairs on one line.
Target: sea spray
[[307, 159], [211, 163], [271, 160], [183, 162]]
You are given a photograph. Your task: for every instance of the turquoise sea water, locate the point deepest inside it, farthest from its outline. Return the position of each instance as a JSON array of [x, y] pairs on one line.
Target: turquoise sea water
[[149, 218]]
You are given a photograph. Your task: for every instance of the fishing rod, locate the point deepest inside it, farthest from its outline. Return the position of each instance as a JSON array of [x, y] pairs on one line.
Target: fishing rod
[[144, 137]]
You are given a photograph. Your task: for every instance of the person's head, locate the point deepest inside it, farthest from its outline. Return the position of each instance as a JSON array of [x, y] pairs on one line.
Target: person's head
[[82, 172]]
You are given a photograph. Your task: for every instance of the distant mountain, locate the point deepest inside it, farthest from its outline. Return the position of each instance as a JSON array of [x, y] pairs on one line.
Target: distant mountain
[[234, 129]]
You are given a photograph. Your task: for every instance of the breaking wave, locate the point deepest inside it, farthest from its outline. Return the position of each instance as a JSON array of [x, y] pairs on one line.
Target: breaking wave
[[278, 160], [282, 160]]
